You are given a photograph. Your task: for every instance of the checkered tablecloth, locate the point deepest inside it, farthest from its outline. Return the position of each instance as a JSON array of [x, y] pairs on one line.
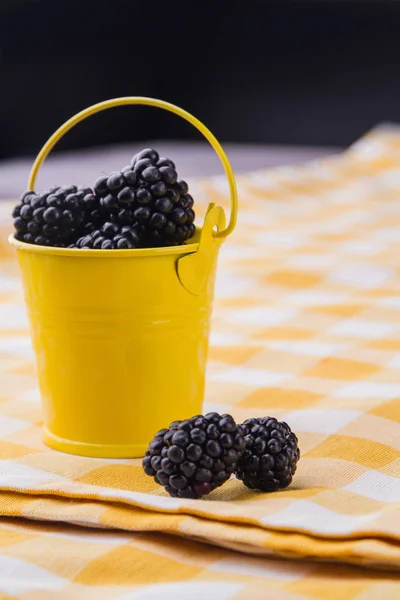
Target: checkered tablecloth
[[306, 328]]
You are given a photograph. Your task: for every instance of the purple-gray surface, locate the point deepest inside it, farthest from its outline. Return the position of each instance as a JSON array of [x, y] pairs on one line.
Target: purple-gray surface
[[194, 159]]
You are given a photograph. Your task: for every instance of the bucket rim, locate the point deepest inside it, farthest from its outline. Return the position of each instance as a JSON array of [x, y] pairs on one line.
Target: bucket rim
[[112, 253]]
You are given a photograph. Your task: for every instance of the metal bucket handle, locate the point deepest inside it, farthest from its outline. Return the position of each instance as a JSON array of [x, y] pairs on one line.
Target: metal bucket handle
[[95, 108]]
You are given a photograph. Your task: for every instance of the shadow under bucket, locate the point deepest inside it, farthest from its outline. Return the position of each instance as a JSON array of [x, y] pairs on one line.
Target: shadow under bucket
[[120, 336]]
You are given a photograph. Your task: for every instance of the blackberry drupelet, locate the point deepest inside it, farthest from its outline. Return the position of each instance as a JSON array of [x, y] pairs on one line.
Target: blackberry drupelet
[[148, 193], [271, 454], [55, 217], [110, 236], [193, 457]]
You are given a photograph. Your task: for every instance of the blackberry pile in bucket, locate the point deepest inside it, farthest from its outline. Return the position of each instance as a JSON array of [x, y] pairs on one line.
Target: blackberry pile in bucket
[[145, 205]]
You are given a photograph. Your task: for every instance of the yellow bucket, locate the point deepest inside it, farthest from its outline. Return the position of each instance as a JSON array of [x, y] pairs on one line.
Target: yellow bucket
[[121, 336]]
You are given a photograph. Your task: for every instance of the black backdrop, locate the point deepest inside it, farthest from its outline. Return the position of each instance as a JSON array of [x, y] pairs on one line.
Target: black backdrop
[[255, 71]]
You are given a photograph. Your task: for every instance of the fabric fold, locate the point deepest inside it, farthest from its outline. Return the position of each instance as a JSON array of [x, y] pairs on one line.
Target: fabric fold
[[368, 551]]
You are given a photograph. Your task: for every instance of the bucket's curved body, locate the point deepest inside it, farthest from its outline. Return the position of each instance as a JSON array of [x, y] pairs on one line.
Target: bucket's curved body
[[121, 345]]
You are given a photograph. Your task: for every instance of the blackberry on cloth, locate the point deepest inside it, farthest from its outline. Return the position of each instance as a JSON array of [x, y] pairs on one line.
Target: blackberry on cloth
[[270, 458], [193, 457], [148, 192]]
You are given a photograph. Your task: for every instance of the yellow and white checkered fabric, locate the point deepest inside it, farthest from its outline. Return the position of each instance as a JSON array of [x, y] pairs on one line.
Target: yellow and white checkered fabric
[[306, 328]]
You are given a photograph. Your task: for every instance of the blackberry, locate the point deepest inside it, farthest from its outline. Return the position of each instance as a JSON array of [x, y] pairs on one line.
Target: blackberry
[[110, 236], [148, 193], [193, 457], [55, 217], [270, 458]]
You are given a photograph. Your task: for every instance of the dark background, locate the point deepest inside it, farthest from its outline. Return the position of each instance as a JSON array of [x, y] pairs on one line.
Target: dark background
[[255, 71]]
